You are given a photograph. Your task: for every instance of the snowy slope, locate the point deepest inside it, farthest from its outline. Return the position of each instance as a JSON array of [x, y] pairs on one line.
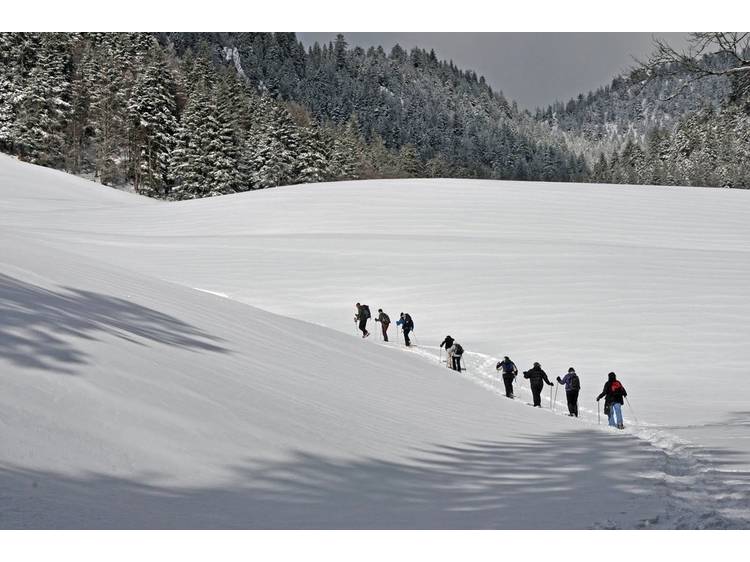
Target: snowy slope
[[124, 386]]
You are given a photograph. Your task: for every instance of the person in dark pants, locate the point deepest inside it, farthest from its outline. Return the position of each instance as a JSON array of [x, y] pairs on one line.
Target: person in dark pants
[[385, 321], [537, 378], [572, 388], [509, 374], [447, 343], [363, 313], [407, 325], [456, 352], [613, 395]]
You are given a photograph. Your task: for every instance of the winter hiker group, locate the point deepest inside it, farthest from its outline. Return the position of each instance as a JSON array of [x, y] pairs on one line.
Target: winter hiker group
[[613, 393]]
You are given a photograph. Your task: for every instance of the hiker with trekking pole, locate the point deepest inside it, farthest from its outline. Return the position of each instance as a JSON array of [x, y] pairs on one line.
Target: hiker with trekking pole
[[447, 343], [456, 352], [363, 314], [385, 321], [407, 325], [572, 388], [537, 377], [613, 394], [510, 372]]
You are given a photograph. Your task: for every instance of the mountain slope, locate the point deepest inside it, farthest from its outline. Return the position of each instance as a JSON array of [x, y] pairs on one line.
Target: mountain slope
[[132, 401]]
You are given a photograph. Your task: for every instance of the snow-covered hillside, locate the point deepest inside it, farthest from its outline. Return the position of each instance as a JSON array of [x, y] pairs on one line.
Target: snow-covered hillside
[[133, 397]]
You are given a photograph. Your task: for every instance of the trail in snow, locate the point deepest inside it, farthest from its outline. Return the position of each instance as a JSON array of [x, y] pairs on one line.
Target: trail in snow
[[648, 282], [699, 495]]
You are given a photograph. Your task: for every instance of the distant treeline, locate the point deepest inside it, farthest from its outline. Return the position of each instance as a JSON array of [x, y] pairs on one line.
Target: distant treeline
[[181, 115]]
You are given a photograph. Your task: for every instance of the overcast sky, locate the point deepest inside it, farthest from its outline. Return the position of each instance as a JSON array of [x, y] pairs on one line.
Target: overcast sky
[[534, 69]]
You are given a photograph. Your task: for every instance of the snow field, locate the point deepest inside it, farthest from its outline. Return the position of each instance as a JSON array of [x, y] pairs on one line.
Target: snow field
[[130, 387]]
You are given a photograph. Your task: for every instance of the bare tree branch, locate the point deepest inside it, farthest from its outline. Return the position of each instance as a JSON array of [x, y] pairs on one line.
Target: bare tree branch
[[707, 54]]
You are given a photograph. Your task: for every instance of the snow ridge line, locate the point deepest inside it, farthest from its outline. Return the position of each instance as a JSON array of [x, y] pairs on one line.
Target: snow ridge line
[[693, 486]]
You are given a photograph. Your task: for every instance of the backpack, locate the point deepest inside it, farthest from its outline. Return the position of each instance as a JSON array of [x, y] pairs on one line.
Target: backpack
[[575, 382], [615, 387], [408, 322], [458, 350], [365, 311], [508, 367]]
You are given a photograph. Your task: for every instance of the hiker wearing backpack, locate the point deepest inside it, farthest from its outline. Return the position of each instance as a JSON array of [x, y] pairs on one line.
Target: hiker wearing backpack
[[537, 377], [447, 343], [613, 395], [572, 388], [363, 314], [456, 352], [385, 321], [509, 374], [407, 325]]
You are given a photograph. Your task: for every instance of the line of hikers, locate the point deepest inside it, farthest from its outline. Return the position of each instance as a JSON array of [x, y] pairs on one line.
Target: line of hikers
[[613, 393], [453, 349], [363, 315]]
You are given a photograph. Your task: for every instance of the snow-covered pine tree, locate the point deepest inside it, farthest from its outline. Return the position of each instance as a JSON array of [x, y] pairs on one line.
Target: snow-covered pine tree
[[225, 147], [313, 161], [109, 107], [10, 85], [348, 154], [601, 170], [205, 160], [189, 169], [78, 131], [43, 104], [153, 124], [273, 144]]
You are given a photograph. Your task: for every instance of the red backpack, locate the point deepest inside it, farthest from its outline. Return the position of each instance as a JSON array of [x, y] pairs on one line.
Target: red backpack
[[615, 387]]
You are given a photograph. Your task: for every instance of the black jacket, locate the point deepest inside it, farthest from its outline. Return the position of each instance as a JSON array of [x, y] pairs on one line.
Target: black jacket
[[536, 376], [613, 395], [362, 312], [447, 342], [383, 317], [406, 323]]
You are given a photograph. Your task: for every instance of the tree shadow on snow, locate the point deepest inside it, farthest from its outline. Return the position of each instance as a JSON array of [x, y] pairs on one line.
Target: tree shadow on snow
[[38, 325], [564, 480]]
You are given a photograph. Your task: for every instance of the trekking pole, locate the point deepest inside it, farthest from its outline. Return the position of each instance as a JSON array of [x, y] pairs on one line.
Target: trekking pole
[[555, 403], [598, 415], [550, 399], [631, 410]]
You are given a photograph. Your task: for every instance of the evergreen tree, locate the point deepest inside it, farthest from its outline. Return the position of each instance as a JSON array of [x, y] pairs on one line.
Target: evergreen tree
[[10, 85], [153, 124], [43, 106], [314, 155], [205, 160], [108, 111], [409, 162], [601, 170], [347, 158]]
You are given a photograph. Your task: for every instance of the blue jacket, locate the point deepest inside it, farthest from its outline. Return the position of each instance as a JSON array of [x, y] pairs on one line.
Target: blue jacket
[[508, 367], [406, 322]]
